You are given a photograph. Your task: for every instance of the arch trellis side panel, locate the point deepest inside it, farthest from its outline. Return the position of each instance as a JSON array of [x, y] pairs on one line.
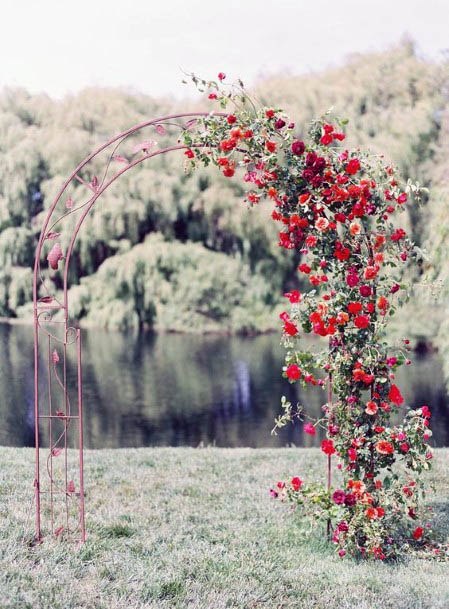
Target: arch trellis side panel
[[58, 399]]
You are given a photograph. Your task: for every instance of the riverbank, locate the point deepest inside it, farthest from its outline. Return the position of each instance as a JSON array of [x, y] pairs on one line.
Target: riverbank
[[196, 528]]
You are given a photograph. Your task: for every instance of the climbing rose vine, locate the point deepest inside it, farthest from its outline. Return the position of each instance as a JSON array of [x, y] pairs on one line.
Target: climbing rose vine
[[337, 207]]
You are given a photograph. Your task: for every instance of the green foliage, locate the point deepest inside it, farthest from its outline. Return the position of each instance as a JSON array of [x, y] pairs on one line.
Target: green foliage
[[394, 100], [175, 286]]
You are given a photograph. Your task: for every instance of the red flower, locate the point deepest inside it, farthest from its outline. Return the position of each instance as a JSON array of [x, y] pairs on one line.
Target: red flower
[[293, 372], [269, 113], [352, 279], [352, 454], [221, 75], [353, 166], [326, 139], [309, 429], [189, 154], [232, 119], [294, 296], [354, 307], [371, 271], [398, 234], [362, 321], [270, 146], [339, 497], [371, 407], [304, 268], [327, 446], [395, 396], [384, 447], [425, 410], [298, 147], [418, 533], [290, 328], [372, 513], [296, 483], [229, 171], [382, 303]]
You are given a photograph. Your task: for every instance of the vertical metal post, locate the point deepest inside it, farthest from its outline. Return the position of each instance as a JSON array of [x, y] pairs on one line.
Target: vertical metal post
[[329, 457], [37, 491], [80, 438]]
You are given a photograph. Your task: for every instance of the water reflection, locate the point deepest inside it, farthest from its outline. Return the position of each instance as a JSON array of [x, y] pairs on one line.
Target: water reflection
[[173, 390]]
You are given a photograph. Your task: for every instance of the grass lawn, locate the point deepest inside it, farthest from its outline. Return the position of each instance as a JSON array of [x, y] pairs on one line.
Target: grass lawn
[[196, 528]]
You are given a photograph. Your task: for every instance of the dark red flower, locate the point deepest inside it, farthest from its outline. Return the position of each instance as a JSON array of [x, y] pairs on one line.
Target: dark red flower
[[339, 497], [221, 75], [298, 147], [350, 499]]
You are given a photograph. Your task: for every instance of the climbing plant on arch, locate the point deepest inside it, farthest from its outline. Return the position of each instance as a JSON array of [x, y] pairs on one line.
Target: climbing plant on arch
[[336, 207]]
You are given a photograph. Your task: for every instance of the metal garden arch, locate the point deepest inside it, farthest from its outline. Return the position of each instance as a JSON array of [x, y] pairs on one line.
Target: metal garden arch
[[58, 395]]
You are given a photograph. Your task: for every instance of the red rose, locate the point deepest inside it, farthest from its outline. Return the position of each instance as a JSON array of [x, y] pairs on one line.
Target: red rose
[[352, 279], [354, 307], [294, 296], [290, 328], [353, 166], [395, 396], [339, 497], [296, 483], [304, 268], [326, 139], [229, 171], [365, 290], [189, 154], [425, 410], [270, 146], [231, 119], [418, 533], [293, 372], [298, 147], [384, 447], [327, 446], [362, 321], [221, 75]]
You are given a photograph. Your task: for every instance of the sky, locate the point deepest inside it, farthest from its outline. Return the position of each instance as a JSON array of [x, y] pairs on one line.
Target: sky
[[62, 46]]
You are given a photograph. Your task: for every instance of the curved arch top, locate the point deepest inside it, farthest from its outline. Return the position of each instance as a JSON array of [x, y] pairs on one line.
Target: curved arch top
[[58, 404]]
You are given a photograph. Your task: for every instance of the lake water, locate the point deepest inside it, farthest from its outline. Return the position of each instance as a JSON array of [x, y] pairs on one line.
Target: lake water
[[183, 390]]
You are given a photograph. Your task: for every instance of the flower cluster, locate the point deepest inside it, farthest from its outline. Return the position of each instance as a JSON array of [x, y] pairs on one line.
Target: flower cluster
[[337, 208]]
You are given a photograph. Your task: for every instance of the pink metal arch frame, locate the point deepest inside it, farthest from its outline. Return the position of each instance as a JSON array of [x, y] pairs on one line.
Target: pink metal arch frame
[[58, 395]]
